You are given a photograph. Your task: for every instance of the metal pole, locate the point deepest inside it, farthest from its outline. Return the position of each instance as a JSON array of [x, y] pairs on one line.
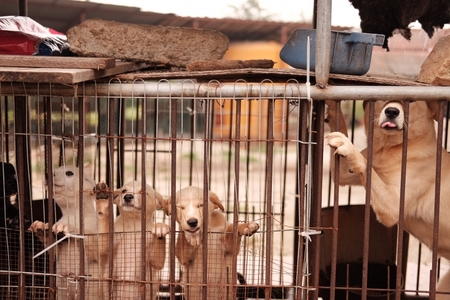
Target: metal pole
[[323, 42]]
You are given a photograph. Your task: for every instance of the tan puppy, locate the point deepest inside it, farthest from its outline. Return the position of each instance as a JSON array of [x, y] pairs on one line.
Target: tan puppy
[[221, 248], [386, 170], [128, 240], [66, 193]]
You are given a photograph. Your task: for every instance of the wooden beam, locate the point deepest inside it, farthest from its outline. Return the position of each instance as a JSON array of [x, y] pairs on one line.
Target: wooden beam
[[63, 62], [68, 76]]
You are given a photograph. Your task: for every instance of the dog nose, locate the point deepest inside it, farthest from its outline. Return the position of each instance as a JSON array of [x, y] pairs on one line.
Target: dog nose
[[192, 222], [391, 112], [128, 197]]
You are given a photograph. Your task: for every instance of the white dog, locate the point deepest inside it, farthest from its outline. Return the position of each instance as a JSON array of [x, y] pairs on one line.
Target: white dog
[[66, 193], [128, 242], [221, 248], [388, 128]]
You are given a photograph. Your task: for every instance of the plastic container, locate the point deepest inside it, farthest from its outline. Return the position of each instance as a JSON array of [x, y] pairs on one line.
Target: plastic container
[[351, 52]]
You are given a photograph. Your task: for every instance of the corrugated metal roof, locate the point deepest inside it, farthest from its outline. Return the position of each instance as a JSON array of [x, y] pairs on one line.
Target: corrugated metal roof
[[64, 14]]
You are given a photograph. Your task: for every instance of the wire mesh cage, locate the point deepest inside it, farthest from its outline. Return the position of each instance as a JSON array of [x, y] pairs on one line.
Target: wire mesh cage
[[243, 149], [180, 189]]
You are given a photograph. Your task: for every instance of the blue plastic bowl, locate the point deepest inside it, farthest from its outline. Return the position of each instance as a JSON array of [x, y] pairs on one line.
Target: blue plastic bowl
[[351, 52]]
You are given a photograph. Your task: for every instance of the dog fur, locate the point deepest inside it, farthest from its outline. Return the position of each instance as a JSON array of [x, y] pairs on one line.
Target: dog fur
[[388, 128], [221, 249], [66, 193], [128, 238]]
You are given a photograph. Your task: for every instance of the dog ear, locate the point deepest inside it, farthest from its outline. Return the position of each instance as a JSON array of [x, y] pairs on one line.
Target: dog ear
[[433, 106], [215, 200], [168, 207], [159, 198]]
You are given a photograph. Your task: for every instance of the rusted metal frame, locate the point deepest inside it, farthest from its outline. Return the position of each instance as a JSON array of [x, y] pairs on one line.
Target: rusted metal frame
[[173, 187], [323, 42], [335, 226], [23, 170], [80, 161], [206, 175], [400, 224], [302, 155], [110, 179], [269, 198], [144, 203], [437, 202], [316, 204], [48, 132], [366, 246]]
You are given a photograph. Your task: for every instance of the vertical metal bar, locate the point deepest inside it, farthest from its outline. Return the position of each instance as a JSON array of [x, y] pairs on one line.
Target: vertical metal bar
[[205, 232], [23, 176], [173, 186], [48, 132], [269, 200], [401, 211], [80, 161], [316, 205], [365, 260], [144, 203], [437, 197], [335, 226], [323, 42], [302, 157], [110, 179], [23, 8]]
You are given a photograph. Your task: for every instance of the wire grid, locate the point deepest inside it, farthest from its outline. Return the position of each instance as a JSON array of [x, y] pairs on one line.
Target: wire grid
[[230, 145]]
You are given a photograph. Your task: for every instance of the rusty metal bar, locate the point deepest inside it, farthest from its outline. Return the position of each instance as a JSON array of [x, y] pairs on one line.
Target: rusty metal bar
[[213, 91], [335, 229], [368, 183], [437, 199], [110, 179], [269, 198], [80, 161], [144, 204], [173, 187], [317, 175], [401, 211]]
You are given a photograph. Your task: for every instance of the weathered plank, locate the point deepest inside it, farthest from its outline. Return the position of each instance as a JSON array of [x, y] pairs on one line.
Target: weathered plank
[[49, 75], [63, 62]]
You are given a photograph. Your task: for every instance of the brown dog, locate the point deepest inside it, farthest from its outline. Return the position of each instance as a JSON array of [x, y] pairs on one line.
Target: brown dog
[[221, 248], [386, 170], [128, 262]]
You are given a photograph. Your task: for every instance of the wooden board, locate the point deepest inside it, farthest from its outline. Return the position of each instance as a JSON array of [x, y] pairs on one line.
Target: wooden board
[[277, 75], [62, 62], [69, 76]]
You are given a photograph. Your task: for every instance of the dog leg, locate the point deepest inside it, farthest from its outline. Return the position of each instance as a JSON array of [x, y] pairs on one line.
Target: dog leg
[[41, 231], [157, 245], [387, 211]]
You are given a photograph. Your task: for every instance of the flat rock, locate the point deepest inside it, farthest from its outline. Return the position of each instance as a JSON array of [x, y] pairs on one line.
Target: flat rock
[[156, 45], [436, 67]]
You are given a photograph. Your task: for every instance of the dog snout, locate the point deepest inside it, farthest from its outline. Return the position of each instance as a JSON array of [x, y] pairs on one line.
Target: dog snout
[[192, 223], [128, 198], [392, 112]]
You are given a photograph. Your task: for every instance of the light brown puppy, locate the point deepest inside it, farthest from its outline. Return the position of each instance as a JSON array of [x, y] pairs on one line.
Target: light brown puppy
[[386, 170], [66, 193], [221, 248], [128, 240]]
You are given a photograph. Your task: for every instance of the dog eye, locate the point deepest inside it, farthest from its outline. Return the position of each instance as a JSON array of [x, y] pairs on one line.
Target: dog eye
[[124, 190], [200, 205], [69, 173]]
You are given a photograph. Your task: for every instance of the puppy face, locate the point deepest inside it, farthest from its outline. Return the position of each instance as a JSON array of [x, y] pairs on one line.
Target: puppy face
[[130, 198], [66, 183], [189, 216], [389, 117]]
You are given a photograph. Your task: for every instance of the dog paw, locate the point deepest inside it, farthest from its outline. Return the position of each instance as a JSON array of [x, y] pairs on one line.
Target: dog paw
[[38, 227], [248, 229], [343, 145], [160, 230], [61, 227]]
